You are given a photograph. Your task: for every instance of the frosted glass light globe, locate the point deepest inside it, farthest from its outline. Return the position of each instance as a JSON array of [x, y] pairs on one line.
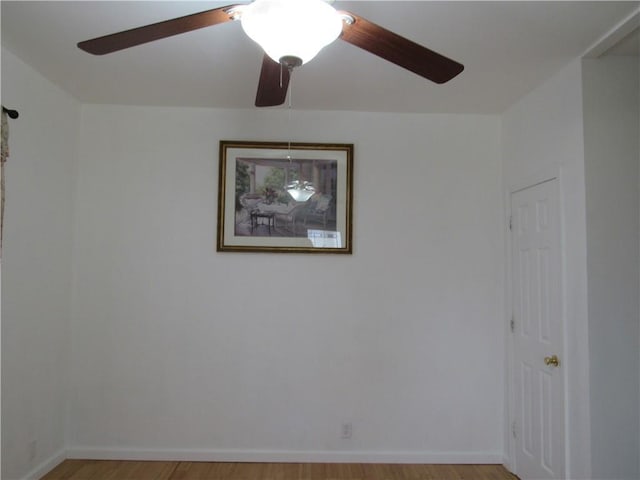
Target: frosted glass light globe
[[300, 191], [291, 28]]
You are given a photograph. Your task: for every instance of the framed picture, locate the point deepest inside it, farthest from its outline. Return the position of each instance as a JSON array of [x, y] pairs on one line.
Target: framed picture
[[285, 197]]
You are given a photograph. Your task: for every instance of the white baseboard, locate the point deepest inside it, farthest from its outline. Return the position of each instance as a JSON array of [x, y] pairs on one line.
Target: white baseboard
[[45, 467], [202, 455], [506, 461]]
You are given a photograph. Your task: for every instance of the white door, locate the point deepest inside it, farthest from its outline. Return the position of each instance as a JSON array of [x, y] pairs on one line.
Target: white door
[[538, 416]]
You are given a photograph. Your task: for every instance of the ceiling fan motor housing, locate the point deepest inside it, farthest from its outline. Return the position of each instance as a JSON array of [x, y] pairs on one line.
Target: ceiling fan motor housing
[[290, 61]]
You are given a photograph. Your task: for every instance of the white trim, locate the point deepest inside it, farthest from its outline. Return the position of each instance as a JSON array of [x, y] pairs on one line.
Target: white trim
[[45, 467], [507, 465], [286, 456], [508, 303], [570, 360]]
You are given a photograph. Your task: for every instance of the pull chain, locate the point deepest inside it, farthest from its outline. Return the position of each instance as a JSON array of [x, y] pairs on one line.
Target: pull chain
[[289, 105]]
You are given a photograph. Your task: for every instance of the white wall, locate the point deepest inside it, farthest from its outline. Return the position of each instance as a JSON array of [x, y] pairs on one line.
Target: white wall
[[36, 268], [611, 119], [179, 351], [542, 136]]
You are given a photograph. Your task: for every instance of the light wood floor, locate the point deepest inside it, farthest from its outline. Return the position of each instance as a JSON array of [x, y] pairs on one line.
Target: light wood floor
[[121, 470]]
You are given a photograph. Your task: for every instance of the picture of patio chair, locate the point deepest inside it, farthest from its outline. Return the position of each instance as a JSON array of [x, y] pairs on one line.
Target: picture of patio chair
[[317, 210]]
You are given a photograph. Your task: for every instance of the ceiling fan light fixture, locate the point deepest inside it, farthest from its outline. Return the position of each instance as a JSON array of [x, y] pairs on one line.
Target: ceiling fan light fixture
[[301, 191], [291, 28]]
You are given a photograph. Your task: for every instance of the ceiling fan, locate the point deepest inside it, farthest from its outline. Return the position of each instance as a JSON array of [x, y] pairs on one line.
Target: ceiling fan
[[291, 32]]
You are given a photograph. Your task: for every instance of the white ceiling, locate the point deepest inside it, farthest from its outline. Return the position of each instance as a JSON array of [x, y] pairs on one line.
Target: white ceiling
[[507, 48], [628, 46]]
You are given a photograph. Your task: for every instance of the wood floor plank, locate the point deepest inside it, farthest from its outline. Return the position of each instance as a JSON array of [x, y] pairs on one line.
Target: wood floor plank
[[193, 471], [142, 471], [95, 469], [65, 470], [131, 470]]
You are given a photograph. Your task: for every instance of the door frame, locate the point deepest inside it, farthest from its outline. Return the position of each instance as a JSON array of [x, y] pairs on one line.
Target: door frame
[[552, 173]]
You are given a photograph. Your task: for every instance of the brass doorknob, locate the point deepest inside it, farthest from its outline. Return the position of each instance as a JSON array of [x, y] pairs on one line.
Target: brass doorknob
[[552, 360]]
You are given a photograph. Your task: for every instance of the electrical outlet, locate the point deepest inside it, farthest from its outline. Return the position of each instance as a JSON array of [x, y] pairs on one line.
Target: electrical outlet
[[347, 430]]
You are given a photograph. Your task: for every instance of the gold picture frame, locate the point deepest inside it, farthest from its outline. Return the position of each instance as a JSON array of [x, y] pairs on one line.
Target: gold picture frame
[[285, 197]]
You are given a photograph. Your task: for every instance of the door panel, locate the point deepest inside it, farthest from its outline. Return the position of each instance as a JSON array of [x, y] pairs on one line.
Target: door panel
[[538, 333]]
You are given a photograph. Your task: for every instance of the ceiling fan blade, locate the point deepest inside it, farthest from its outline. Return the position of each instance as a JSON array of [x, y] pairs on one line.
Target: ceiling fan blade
[[156, 31], [273, 83], [399, 50]]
